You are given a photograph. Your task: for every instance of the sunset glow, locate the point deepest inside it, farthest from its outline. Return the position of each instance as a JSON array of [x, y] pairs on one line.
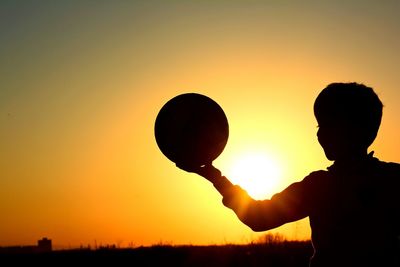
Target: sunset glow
[[257, 173], [82, 83]]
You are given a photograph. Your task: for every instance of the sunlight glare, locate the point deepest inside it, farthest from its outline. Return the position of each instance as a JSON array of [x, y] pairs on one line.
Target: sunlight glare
[[257, 173]]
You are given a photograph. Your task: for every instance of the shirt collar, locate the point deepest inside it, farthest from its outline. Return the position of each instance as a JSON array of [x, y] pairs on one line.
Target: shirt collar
[[352, 165]]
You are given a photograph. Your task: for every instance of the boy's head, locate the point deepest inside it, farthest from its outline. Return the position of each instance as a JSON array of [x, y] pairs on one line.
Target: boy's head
[[349, 116]]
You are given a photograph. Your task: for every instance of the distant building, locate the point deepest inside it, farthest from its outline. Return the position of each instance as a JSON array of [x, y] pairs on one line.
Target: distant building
[[44, 245]]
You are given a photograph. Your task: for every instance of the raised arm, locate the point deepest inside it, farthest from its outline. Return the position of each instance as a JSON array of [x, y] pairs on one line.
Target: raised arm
[[259, 215]]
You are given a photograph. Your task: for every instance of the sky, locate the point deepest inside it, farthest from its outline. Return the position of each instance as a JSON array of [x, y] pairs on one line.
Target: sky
[[82, 83]]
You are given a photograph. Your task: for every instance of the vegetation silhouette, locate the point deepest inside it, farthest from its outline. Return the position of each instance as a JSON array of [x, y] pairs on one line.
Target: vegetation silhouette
[[269, 250], [353, 206]]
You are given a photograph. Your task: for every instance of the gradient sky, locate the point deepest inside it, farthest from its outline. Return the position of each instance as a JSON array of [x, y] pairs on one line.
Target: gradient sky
[[81, 83]]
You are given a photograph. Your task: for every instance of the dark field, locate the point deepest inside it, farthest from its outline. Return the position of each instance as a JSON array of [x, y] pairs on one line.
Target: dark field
[[284, 254]]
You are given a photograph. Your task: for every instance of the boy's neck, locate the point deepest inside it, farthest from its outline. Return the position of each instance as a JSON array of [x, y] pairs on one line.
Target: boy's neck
[[354, 157], [351, 164]]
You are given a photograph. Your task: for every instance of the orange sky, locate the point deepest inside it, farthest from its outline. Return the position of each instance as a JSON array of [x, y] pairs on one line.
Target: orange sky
[[82, 83]]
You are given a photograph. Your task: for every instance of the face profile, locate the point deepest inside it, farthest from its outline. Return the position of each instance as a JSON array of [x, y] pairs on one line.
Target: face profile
[[339, 141], [348, 116]]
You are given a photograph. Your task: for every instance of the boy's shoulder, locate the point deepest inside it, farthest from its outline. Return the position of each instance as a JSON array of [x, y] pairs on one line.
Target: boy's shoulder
[[317, 178], [318, 174], [390, 165], [391, 169]]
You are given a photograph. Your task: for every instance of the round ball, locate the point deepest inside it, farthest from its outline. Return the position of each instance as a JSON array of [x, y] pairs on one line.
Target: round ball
[[191, 130]]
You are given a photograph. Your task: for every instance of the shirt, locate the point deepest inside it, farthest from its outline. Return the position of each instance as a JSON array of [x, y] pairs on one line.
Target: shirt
[[353, 207]]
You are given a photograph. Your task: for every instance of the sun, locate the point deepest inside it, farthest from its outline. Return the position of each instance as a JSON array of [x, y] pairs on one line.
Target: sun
[[257, 173]]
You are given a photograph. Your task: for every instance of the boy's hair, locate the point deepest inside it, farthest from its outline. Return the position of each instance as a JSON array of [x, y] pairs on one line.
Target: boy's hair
[[350, 105]]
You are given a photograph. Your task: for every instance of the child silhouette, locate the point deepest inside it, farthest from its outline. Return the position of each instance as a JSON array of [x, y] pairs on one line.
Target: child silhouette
[[353, 206]]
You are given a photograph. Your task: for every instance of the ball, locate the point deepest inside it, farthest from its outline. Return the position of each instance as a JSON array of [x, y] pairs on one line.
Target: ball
[[191, 130]]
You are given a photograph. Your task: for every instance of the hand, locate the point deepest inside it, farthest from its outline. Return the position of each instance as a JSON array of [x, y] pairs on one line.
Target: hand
[[189, 168], [208, 171]]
